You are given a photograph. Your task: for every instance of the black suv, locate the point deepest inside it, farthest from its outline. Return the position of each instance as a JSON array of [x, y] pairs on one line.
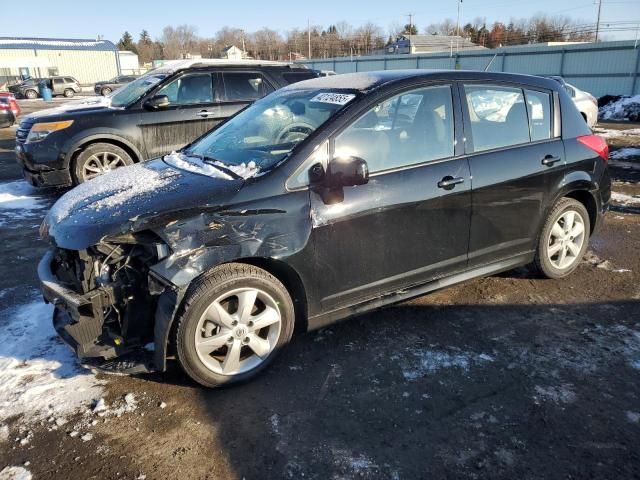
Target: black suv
[[156, 114], [323, 200]]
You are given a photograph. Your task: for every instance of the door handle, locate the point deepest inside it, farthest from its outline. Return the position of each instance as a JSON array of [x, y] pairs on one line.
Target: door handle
[[549, 160], [204, 113], [450, 182]]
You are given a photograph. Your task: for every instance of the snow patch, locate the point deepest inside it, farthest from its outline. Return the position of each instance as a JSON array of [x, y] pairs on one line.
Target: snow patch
[[624, 199], [625, 108], [197, 165], [20, 195], [624, 153], [39, 376], [610, 133], [356, 81], [430, 361], [15, 473], [560, 394]]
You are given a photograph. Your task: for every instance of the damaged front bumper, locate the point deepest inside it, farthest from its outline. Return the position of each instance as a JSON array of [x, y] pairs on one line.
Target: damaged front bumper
[[79, 319]]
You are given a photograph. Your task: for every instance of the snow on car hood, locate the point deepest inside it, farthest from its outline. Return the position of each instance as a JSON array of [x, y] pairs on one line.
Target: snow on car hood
[[128, 198], [79, 105], [196, 165]]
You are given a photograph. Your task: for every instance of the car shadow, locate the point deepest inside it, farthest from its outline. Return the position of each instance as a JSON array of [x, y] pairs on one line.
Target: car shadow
[[464, 391]]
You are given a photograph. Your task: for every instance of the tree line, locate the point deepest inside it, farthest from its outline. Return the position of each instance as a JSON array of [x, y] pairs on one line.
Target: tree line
[[343, 39]]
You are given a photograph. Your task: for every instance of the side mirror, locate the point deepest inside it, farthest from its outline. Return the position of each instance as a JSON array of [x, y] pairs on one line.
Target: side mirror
[[157, 102], [346, 172]]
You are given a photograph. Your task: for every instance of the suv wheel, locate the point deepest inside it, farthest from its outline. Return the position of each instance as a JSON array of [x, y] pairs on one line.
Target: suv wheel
[[97, 159], [31, 94], [564, 239], [68, 92], [105, 91], [233, 323]]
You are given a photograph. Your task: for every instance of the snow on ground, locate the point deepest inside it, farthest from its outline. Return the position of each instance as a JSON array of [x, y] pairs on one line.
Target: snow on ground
[[624, 199], [39, 375], [610, 133], [626, 108], [624, 153], [19, 195], [15, 473], [430, 361]]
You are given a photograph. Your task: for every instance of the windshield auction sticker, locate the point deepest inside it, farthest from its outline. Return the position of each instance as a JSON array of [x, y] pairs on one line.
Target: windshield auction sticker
[[335, 98]]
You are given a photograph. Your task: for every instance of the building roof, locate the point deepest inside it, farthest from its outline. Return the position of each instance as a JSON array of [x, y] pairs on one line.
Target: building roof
[[432, 43], [32, 43]]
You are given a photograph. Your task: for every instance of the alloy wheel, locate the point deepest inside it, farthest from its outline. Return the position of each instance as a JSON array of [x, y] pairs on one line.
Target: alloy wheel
[[100, 163], [566, 239], [238, 331]]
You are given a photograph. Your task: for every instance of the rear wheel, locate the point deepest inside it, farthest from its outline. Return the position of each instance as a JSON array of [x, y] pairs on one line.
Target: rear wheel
[[98, 159], [105, 91], [564, 239], [69, 93], [233, 324], [31, 94]]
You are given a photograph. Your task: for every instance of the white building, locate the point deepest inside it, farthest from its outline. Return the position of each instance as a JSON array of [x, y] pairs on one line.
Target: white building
[[129, 63], [233, 53], [88, 61]]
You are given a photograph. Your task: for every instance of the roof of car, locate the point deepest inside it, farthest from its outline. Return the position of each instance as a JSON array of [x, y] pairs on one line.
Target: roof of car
[[204, 62], [365, 81]]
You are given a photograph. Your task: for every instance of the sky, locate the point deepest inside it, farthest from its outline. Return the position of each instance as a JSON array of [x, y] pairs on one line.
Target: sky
[[116, 16]]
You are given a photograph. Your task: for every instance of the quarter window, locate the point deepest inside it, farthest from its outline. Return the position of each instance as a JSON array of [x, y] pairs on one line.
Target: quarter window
[[498, 116], [189, 89], [539, 109], [244, 86], [407, 129]]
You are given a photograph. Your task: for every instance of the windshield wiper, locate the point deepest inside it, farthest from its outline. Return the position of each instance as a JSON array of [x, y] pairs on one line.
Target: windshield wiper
[[216, 164]]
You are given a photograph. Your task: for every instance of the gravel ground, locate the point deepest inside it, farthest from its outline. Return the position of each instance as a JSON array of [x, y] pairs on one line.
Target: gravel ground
[[511, 376]]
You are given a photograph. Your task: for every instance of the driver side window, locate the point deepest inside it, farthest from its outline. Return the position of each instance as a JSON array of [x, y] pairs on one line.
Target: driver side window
[[410, 128], [190, 89]]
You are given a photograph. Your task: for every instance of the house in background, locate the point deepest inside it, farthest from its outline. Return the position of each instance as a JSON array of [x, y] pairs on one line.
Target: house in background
[[413, 44], [234, 53], [129, 63]]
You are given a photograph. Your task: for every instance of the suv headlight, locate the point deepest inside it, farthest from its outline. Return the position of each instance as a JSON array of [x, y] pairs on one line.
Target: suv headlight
[[39, 131]]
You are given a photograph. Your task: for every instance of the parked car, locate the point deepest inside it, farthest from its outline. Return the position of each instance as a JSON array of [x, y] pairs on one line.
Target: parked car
[[59, 85], [14, 107], [587, 104], [151, 116], [105, 88], [7, 116], [321, 201]]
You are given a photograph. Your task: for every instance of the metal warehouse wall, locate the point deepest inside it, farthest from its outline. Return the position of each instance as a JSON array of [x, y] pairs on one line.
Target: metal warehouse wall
[[87, 66], [606, 68]]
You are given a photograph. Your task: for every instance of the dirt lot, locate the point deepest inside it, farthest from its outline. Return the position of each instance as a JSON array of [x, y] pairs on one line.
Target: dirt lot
[[511, 376]]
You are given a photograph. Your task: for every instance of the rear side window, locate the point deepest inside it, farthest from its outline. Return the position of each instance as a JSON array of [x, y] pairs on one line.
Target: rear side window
[[58, 81], [498, 116], [293, 77], [244, 86], [69, 80], [539, 110]]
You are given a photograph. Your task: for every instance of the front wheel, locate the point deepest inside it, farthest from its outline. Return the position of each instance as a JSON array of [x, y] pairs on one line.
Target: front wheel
[[98, 159], [564, 239], [31, 94], [233, 324]]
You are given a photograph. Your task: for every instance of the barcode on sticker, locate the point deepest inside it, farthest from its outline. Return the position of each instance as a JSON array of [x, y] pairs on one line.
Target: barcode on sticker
[[336, 98]]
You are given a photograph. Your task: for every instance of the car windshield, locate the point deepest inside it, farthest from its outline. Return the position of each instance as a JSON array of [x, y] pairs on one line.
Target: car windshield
[[133, 91], [266, 133]]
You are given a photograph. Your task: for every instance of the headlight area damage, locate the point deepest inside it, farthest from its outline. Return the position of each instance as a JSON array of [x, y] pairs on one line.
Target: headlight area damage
[[106, 298]]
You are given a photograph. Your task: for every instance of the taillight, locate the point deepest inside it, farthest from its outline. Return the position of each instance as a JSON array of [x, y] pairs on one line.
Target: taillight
[[597, 144], [4, 106]]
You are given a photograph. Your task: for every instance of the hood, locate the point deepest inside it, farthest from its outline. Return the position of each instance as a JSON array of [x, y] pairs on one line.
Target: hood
[[91, 105], [131, 199]]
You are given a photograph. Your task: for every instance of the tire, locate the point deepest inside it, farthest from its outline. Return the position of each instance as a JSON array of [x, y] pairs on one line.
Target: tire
[[31, 94], [200, 320], [105, 91], [97, 159], [558, 236], [68, 93]]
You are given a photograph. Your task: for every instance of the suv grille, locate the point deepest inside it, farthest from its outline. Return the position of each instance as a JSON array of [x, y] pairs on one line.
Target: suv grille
[[23, 131]]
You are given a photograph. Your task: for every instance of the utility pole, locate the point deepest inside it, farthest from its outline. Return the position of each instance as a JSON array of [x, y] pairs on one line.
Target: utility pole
[[458, 27], [309, 37], [598, 21], [410, 15]]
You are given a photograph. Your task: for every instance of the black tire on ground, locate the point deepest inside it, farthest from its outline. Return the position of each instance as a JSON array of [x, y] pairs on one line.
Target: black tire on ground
[[87, 157], [31, 94], [202, 293], [68, 93], [542, 261], [105, 91]]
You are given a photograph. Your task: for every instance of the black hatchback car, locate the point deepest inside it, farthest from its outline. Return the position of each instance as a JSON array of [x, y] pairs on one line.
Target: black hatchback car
[[156, 114], [325, 199]]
